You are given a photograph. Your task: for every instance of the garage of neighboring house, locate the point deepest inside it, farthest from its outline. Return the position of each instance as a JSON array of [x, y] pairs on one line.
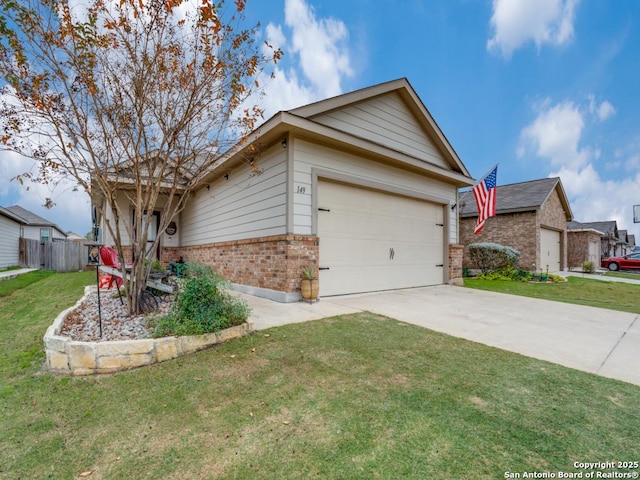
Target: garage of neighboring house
[[530, 217], [550, 250], [584, 243], [373, 240], [362, 186]]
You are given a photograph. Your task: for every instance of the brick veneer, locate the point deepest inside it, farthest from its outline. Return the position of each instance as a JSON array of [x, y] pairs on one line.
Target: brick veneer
[[274, 262], [517, 230], [520, 231], [455, 263]]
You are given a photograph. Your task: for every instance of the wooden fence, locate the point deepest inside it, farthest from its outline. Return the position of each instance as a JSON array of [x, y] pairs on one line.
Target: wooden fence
[[58, 255]]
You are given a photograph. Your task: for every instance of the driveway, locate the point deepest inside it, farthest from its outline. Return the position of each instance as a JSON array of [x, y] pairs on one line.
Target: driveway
[[594, 340]]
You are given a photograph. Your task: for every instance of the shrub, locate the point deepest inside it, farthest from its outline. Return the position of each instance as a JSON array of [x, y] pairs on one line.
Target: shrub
[[202, 305], [588, 267], [507, 273], [492, 256]]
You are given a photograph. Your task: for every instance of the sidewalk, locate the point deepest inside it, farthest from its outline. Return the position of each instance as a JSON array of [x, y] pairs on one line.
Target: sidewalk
[[15, 273], [599, 275]]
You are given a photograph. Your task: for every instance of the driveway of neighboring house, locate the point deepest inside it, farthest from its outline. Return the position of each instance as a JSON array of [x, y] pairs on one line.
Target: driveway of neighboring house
[[595, 340]]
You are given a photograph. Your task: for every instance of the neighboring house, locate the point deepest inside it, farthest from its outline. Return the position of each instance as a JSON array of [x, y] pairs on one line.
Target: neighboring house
[[583, 245], [622, 245], [75, 237], [35, 227], [362, 186], [530, 217], [9, 238], [609, 238]]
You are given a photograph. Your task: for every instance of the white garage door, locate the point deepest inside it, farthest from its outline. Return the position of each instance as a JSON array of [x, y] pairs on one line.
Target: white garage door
[[370, 240], [549, 250]]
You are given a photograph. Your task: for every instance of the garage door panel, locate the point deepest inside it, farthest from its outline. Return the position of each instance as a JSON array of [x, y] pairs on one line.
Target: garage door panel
[[549, 249], [372, 240]]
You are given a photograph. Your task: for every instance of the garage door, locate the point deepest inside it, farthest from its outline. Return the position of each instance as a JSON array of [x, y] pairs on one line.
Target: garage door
[[549, 250], [371, 240]]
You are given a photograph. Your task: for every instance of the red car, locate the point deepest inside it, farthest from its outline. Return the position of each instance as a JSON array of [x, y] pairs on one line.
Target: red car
[[625, 262]]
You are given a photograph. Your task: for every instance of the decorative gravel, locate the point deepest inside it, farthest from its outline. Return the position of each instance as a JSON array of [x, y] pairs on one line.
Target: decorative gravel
[[83, 325]]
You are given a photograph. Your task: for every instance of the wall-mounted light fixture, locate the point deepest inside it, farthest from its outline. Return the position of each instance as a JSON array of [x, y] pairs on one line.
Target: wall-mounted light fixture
[[208, 187], [226, 176], [284, 143], [453, 207]]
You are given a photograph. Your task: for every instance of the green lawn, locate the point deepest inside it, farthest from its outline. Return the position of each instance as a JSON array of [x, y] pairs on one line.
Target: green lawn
[[624, 297], [631, 275], [350, 397]]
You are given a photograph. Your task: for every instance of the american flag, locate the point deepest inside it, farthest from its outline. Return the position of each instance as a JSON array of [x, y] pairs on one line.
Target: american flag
[[485, 195]]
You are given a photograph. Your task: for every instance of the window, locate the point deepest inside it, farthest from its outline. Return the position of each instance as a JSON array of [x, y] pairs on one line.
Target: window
[[45, 234]]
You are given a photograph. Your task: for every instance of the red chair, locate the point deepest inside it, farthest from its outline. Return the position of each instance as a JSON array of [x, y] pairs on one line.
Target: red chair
[[109, 258]]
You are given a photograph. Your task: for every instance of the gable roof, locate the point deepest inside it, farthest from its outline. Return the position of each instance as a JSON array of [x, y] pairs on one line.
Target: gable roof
[[581, 227], [519, 197], [303, 122], [609, 227], [315, 111], [31, 219], [5, 212]]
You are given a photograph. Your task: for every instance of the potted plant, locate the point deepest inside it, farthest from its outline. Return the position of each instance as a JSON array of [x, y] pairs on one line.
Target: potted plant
[[309, 286]]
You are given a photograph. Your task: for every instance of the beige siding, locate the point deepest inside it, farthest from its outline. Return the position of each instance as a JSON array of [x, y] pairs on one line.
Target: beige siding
[[125, 219], [364, 171], [9, 239], [385, 120], [245, 206]]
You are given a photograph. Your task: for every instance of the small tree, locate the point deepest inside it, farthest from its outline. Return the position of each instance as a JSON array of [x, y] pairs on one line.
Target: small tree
[[133, 97]]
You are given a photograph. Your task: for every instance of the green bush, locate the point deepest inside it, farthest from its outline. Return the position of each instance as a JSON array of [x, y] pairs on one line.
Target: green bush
[[507, 273], [202, 305], [492, 256], [588, 267]]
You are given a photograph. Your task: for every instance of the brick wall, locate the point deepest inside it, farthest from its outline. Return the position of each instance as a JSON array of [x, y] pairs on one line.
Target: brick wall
[[517, 230], [455, 263], [273, 263], [578, 251]]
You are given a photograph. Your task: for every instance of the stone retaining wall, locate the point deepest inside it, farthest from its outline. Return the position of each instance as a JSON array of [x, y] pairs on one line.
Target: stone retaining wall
[[70, 357]]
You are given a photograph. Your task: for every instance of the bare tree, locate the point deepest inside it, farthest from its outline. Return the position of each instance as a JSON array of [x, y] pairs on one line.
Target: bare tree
[[130, 97]]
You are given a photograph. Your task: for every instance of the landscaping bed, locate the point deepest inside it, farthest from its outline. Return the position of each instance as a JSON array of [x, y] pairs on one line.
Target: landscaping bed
[[125, 342]]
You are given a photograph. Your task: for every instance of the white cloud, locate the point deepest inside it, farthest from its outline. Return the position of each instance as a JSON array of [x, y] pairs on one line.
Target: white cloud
[[515, 23], [319, 45], [605, 110], [594, 199], [602, 111], [316, 54], [555, 135]]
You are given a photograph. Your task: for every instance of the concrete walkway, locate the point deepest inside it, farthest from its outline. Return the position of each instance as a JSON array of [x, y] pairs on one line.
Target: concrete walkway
[[594, 340], [14, 273]]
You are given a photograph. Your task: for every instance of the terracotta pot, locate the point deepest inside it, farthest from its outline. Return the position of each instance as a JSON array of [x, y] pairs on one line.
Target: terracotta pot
[[309, 288]]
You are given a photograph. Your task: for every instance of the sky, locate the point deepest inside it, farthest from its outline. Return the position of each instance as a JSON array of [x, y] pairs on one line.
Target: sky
[[544, 88]]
